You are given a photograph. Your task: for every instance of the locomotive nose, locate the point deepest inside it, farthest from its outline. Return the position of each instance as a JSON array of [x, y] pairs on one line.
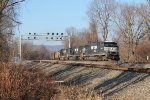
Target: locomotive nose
[[114, 49]]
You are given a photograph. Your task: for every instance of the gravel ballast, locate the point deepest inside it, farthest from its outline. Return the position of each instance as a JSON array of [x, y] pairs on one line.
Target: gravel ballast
[[111, 84]]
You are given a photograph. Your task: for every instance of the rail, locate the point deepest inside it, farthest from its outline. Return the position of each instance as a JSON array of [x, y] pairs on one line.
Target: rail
[[102, 65]]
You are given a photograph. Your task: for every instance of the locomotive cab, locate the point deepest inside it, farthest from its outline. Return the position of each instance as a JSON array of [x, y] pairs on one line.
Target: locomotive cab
[[112, 50]]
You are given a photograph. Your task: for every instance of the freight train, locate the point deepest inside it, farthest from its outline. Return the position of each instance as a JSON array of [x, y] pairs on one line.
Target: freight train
[[102, 51]]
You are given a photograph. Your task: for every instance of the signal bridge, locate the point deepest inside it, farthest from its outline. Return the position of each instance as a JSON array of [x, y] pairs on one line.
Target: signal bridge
[[45, 37]]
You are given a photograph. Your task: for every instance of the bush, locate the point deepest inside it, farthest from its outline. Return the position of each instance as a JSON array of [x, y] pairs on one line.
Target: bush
[[22, 83]]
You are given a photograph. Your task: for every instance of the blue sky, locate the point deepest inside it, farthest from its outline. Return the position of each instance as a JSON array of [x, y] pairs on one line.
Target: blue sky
[[42, 16], [53, 15]]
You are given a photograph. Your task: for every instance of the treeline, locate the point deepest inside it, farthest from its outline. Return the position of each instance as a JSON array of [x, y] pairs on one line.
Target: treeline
[[31, 52], [127, 24], [81, 37]]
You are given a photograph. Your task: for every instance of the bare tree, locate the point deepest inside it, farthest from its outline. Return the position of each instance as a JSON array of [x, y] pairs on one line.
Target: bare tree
[[144, 11], [81, 37], [132, 28], [72, 33], [43, 53], [30, 52], [27, 50], [93, 34], [101, 12], [8, 18], [7, 24], [84, 37], [14, 47]]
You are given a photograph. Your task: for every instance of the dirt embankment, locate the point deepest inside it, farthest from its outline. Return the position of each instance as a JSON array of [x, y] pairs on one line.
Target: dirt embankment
[[108, 83]]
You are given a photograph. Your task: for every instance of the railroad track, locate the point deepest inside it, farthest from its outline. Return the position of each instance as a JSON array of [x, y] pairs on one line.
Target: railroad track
[[103, 65]]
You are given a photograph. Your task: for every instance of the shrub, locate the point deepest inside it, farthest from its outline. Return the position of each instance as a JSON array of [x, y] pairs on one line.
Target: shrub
[[21, 83]]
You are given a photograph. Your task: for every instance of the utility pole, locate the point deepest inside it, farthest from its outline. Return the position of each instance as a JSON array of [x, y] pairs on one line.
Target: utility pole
[[20, 47], [69, 41]]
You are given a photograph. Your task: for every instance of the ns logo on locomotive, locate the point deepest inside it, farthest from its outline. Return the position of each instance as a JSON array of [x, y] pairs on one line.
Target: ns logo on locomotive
[[102, 51]]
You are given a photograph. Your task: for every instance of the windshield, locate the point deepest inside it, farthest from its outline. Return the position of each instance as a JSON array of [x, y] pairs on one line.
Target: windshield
[[110, 44]]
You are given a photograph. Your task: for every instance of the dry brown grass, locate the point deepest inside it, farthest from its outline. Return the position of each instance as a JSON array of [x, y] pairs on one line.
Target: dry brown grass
[[18, 82], [21, 83], [75, 93]]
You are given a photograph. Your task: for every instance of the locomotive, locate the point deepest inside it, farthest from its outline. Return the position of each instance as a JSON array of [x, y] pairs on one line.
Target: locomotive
[[102, 51]]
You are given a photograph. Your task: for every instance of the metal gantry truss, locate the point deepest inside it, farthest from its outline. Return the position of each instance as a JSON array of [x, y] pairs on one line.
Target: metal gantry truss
[[46, 37]]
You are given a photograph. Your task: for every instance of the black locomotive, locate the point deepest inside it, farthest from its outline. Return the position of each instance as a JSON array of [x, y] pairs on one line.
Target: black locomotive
[[95, 51]]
